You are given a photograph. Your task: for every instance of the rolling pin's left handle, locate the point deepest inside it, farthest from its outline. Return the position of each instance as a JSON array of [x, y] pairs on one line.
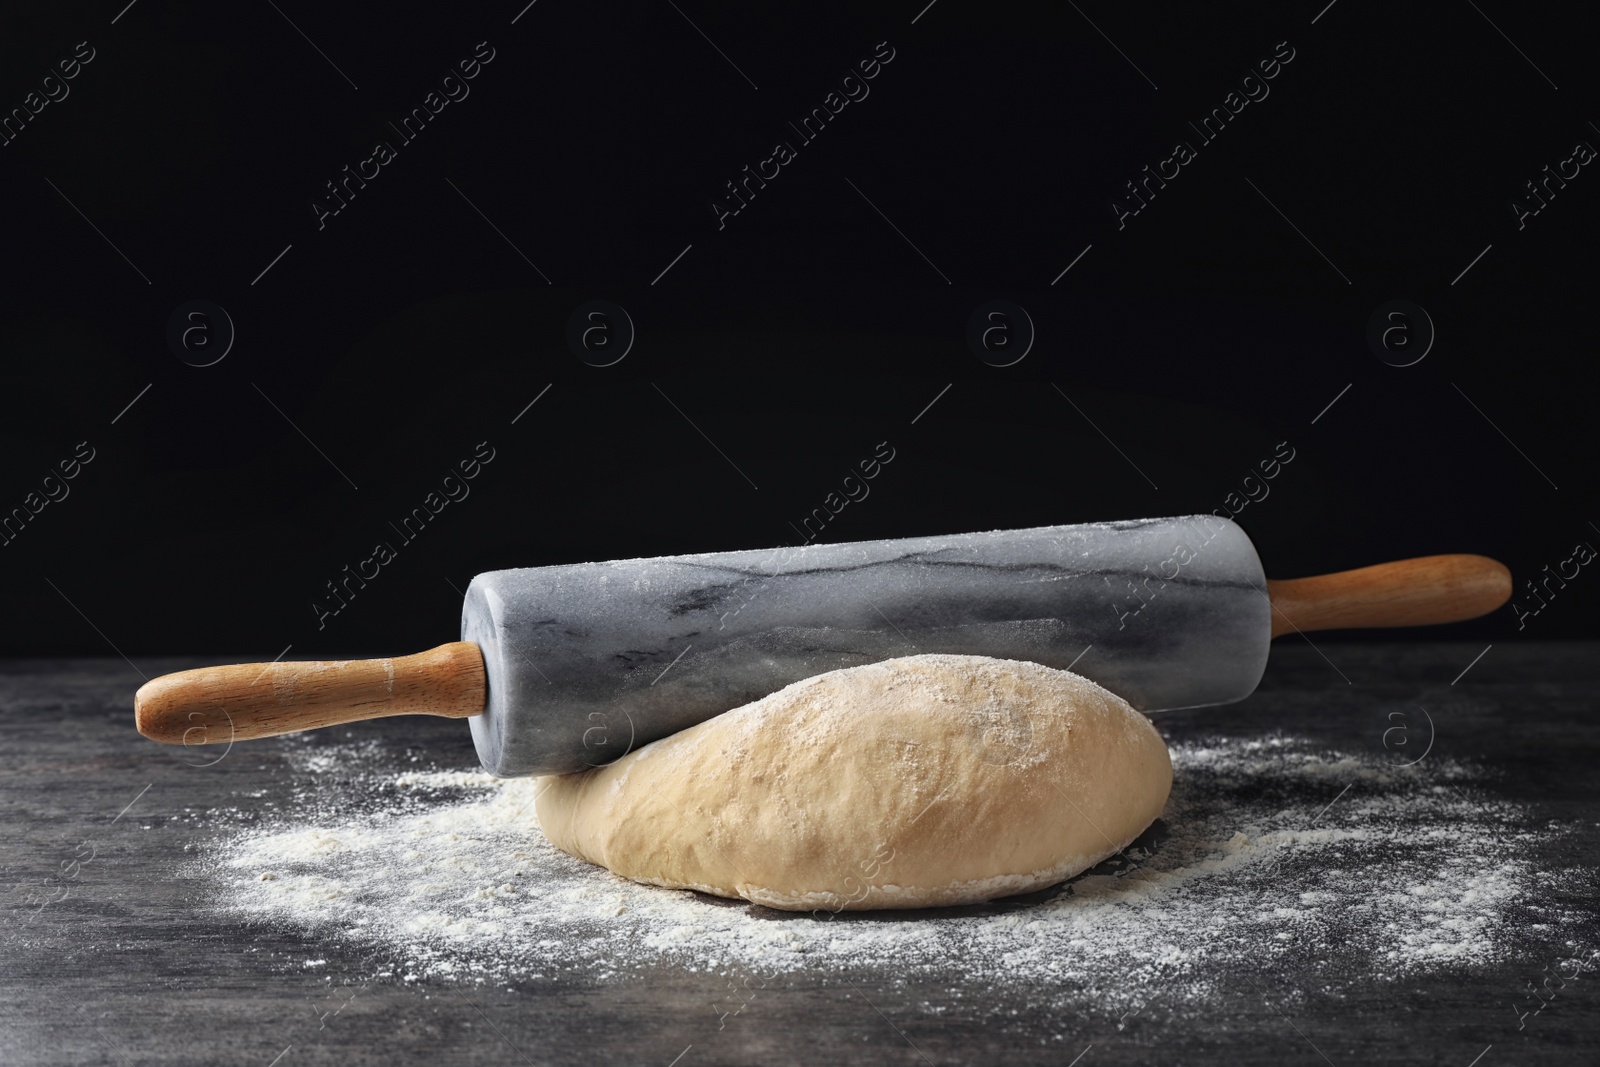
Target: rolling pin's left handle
[[215, 705]]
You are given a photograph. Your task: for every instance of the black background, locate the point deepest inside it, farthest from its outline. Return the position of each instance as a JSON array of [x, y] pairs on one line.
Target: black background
[[379, 350]]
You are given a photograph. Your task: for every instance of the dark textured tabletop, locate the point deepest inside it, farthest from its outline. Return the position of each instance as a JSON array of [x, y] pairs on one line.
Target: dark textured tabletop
[[111, 953]]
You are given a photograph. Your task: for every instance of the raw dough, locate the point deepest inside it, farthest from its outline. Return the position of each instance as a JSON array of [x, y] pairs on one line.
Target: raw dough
[[928, 780]]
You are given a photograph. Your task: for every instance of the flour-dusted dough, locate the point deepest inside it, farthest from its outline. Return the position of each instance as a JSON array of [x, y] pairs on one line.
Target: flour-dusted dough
[[928, 780]]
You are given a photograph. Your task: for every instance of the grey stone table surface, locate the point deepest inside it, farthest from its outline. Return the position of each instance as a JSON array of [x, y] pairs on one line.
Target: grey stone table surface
[[108, 954]]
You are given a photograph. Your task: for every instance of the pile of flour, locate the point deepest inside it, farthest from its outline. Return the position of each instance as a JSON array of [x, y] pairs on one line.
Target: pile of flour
[[1268, 847]]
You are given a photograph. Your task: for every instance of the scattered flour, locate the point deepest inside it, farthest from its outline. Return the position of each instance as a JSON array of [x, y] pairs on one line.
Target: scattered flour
[[1262, 852]]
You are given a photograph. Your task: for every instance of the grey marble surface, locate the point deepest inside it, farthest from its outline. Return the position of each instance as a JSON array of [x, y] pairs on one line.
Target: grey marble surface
[[587, 660], [119, 960]]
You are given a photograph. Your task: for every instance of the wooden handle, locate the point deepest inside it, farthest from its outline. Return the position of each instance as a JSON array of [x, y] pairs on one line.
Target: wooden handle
[[1409, 592], [215, 705]]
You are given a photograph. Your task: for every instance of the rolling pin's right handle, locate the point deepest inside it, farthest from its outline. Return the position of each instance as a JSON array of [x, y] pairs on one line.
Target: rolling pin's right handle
[[215, 705], [1408, 592]]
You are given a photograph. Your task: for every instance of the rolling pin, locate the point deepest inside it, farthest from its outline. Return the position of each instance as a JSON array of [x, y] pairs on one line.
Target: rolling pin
[[566, 667]]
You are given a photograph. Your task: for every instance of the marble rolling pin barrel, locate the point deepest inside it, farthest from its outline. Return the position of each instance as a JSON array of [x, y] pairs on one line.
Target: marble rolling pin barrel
[[567, 667]]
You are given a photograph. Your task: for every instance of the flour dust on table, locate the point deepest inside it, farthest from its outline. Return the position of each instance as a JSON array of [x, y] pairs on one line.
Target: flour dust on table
[[1262, 853]]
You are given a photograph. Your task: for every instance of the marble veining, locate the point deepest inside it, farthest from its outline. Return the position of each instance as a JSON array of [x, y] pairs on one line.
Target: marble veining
[[586, 661]]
